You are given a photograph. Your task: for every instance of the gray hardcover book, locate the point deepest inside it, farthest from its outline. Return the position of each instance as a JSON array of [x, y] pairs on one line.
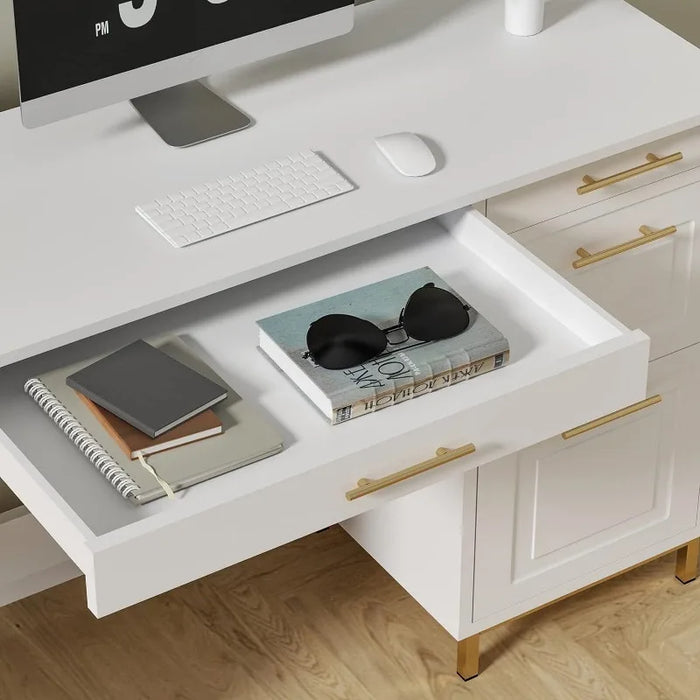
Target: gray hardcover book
[[147, 388], [405, 370], [247, 437]]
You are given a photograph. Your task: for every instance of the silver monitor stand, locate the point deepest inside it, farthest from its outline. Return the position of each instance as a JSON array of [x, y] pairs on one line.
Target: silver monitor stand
[[189, 113]]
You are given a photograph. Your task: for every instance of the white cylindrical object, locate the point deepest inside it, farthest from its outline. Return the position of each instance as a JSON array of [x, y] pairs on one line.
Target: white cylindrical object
[[524, 17]]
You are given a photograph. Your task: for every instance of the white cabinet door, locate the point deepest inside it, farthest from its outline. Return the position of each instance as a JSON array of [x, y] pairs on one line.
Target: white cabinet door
[[562, 509]]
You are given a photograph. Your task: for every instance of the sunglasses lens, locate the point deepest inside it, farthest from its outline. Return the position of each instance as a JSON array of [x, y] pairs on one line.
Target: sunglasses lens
[[432, 313], [338, 341]]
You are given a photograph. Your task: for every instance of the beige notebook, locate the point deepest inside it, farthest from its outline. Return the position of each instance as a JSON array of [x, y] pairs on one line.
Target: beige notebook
[[247, 437]]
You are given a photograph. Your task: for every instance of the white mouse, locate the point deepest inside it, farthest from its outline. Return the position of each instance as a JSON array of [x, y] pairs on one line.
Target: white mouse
[[408, 153]]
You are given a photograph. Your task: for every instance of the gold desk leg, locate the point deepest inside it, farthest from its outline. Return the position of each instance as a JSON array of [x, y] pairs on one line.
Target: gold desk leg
[[687, 562], [468, 657]]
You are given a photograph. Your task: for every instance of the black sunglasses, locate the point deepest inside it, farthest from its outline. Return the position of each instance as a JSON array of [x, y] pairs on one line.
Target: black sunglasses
[[340, 341]]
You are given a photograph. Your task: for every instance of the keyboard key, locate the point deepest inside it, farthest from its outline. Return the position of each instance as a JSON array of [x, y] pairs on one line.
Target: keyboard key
[[245, 198]]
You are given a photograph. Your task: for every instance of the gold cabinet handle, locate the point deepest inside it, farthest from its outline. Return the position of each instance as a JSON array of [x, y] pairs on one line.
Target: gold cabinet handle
[[653, 162], [648, 236], [629, 410], [442, 456]]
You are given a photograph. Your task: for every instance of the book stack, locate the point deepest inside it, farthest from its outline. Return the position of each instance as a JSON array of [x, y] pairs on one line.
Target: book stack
[[158, 401], [406, 369]]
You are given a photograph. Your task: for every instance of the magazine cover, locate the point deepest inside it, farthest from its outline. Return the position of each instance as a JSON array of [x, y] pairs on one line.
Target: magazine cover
[[406, 369]]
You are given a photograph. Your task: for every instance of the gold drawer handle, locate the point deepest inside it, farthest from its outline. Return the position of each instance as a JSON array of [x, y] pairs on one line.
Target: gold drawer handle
[[648, 236], [443, 455], [653, 162], [629, 410]]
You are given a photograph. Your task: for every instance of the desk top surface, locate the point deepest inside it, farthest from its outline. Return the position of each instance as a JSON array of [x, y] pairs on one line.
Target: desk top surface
[[503, 111]]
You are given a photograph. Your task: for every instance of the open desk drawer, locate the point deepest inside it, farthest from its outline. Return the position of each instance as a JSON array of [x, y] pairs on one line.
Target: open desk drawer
[[570, 362]]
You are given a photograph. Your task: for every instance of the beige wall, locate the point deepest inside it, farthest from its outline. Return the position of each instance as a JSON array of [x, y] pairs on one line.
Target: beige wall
[[8, 98], [8, 67], [682, 16]]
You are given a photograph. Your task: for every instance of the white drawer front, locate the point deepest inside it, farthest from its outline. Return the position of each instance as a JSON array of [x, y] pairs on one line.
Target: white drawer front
[[656, 286], [564, 508], [570, 361], [558, 195]]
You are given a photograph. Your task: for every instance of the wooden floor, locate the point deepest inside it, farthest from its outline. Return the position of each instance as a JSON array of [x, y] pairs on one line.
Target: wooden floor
[[319, 619]]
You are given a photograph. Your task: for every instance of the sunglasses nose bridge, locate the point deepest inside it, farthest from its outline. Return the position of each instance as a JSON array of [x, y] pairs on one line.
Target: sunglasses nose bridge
[[389, 332]]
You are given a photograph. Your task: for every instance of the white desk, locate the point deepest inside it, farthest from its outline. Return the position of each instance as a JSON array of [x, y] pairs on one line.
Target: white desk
[[503, 111]]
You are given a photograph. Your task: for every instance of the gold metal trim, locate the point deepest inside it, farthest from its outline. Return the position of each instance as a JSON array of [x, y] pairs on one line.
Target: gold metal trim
[[687, 561], [653, 162], [442, 456], [598, 422], [468, 657], [648, 236], [587, 587]]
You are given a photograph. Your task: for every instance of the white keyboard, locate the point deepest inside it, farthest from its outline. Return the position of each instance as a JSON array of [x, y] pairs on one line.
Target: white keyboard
[[239, 200]]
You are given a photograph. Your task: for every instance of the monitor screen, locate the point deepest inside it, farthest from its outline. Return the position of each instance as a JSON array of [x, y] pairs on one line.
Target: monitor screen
[[63, 44]]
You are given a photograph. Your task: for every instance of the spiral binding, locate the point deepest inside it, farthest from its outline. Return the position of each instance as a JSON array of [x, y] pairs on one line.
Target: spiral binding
[[75, 432]]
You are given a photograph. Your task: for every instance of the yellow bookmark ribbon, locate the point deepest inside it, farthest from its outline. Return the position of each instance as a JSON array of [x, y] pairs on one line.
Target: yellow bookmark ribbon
[[163, 483]]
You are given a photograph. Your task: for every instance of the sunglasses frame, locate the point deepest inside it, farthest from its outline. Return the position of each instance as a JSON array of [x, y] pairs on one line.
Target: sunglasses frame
[[308, 355]]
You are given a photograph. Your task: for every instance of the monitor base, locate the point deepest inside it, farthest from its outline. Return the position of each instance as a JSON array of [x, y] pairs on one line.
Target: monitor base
[[188, 114]]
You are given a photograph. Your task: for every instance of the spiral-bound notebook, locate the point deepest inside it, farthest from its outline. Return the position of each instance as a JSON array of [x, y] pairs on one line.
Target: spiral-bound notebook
[[247, 435]]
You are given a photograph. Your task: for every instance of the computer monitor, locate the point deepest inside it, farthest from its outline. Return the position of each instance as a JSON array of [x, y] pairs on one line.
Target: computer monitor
[[77, 55]]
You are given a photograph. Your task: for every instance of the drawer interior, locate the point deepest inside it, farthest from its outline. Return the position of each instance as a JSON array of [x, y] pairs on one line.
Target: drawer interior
[[550, 325]]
